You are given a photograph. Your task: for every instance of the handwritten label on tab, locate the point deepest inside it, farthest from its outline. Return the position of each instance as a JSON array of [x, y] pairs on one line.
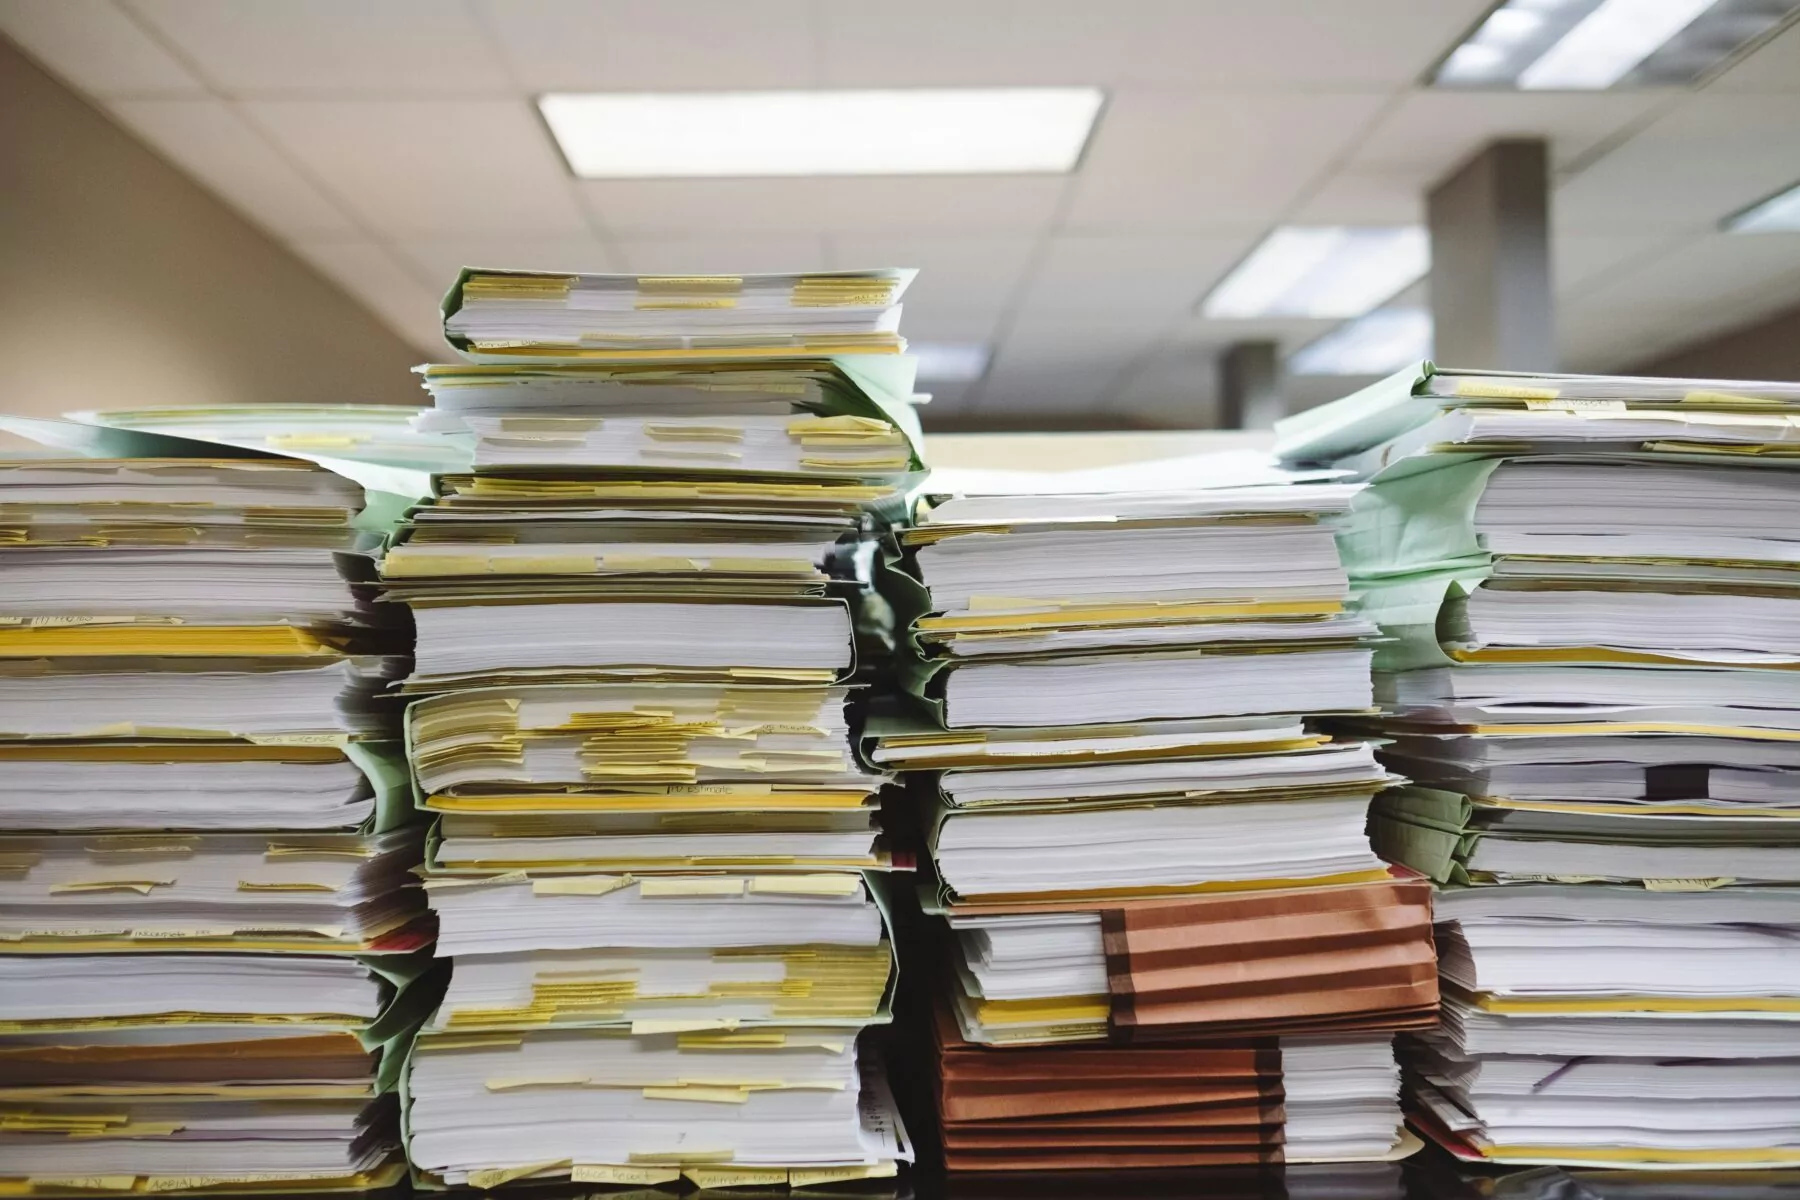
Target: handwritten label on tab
[[1686, 885], [1576, 406], [599, 1173], [496, 1176], [730, 1177], [1494, 389]]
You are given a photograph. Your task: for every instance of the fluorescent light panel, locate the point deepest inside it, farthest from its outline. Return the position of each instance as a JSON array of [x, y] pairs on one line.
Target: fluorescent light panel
[[949, 362], [1377, 343], [621, 135], [1321, 271], [1780, 213], [1590, 45]]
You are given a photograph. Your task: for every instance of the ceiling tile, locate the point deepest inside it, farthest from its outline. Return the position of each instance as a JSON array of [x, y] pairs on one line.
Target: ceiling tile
[[1365, 196], [413, 168], [1773, 66], [1305, 45], [1432, 132], [724, 256], [1019, 205], [437, 261], [95, 46], [969, 204], [1579, 260], [375, 47], [1700, 289], [1715, 153], [370, 272], [211, 142], [955, 273], [691, 207], [1209, 161], [986, 43], [625, 45], [1149, 277]]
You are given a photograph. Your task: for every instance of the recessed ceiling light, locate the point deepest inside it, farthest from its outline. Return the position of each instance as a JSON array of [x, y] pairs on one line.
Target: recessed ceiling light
[[1321, 271], [949, 362], [1588, 45], [1780, 213], [1377, 343], [621, 135]]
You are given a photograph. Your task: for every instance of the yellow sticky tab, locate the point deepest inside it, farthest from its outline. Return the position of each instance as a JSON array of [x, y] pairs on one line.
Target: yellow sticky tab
[[251, 885], [813, 1176], [648, 562], [580, 885], [511, 877], [1576, 406], [96, 1183], [298, 739], [142, 887], [1496, 389], [112, 847], [701, 1093], [546, 564], [1726, 398], [728, 1177], [597, 1173], [806, 885], [651, 1026], [494, 1177], [678, 1157], [688, 886], [513, 1084], [1686, 885], [183, 1183]]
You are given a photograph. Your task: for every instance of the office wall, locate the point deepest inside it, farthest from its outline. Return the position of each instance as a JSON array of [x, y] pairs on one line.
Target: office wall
[[1766, 349], [124, 283]]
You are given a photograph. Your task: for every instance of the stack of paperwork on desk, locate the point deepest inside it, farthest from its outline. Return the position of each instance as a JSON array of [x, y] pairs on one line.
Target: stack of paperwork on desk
[[1141, 834], [636, 666], [211, 942], [1591, 588]]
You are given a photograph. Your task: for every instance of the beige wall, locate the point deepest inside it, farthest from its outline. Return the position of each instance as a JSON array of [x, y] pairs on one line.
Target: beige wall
[[124, 283]]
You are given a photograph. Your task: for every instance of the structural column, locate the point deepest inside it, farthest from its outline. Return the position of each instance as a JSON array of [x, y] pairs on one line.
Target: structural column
[[1491, 302], [1250, 386]]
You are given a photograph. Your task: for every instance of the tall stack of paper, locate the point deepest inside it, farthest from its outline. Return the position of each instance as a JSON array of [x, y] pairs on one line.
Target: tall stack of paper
[[636, 656], [210, 936], [1592, 587], [1140, 834]]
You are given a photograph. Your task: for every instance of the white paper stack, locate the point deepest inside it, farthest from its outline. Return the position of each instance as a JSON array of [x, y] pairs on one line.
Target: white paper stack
[[209, 925], [1592, 590], [636, 659], [1140, 833]]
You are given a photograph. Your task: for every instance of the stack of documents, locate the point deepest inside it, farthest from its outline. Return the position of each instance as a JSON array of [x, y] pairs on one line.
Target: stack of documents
[[637, 666], [211, 940], [1291, 1100], [1591, 588], [1139, 832]]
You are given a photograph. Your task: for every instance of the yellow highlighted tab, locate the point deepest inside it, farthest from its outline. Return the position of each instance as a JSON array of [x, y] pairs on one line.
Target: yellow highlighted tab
[[679, 886], [494, 1177]]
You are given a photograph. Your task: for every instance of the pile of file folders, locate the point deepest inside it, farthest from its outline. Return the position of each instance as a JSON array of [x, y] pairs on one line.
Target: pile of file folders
[[655, 859], [1590, 588], [212, 951], [1165, 939]]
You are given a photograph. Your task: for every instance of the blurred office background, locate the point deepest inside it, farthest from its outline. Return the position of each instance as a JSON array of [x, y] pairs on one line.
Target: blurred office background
[[231, 201]]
